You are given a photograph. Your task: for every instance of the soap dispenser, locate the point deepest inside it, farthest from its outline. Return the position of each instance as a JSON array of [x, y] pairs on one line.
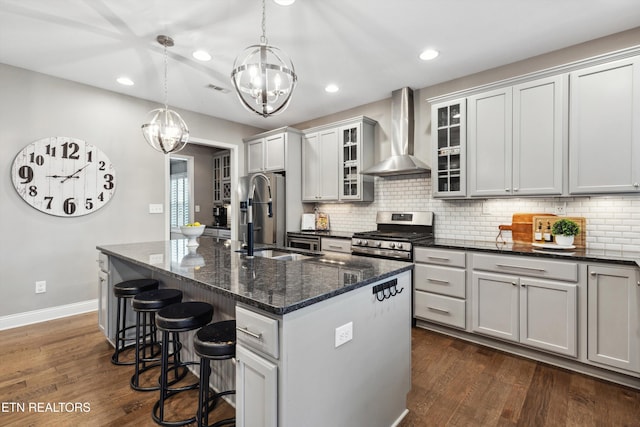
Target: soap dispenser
[[538, 234], [547, 233]]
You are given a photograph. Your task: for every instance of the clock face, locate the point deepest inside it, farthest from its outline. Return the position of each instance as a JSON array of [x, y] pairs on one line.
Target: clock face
[[63, 176]]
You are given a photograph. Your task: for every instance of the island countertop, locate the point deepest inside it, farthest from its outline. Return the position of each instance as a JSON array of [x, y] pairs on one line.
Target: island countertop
[[276, 286]]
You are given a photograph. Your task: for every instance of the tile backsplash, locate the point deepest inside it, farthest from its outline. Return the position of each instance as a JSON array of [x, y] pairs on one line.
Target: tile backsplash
[[613, 222]]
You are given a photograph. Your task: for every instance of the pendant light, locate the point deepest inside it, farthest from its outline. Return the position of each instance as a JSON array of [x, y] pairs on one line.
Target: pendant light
[[165, 130], [264, 76]]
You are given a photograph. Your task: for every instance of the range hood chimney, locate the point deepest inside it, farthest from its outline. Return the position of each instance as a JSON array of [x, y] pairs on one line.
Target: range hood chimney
[[402, 161]]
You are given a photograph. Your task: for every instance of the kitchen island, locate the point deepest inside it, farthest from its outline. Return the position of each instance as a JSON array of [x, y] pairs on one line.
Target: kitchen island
[[329, 338]]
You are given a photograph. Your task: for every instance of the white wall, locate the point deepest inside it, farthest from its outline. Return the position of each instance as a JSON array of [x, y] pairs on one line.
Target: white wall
[[35, 246]]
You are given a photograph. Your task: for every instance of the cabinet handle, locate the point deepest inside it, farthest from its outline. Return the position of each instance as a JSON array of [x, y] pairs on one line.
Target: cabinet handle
[[593, 273], [446, 282], [257, 336], [520, 267], [335, 247], [441, 258], [438, 309]]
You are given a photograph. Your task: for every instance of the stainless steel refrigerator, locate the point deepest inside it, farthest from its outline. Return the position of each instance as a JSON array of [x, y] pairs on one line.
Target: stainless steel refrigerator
[[271, 230]]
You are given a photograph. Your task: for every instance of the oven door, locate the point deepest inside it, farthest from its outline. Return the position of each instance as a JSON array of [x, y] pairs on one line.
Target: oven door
[[304, 243]]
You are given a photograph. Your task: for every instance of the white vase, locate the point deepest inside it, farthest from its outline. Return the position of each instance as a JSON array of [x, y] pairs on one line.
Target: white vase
[[563, 240]]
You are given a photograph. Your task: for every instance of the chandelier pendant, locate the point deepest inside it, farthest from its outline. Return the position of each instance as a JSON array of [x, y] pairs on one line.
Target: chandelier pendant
[[264, 77], [165, 130]]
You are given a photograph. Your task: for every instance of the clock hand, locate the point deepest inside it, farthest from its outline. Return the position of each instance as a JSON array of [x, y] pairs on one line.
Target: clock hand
[[73, 175]]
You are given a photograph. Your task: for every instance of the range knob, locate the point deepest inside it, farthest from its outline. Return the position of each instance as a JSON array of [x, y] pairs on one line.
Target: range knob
[[378, 244], [399, 246], [365, 242], [392, 245], [359, 242]]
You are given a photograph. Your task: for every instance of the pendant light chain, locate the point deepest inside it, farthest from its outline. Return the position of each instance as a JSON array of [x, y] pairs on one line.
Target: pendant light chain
[[166, 65], [263, 39]]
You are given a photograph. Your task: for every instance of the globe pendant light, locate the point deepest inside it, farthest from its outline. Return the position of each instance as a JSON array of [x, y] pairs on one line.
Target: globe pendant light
[[165, 130], [264, 76]]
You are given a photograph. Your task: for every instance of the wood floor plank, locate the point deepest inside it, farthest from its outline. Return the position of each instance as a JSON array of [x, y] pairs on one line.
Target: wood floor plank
[[454, 383]]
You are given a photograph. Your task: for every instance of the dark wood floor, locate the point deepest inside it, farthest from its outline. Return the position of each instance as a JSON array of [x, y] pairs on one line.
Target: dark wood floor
[[61, 368]]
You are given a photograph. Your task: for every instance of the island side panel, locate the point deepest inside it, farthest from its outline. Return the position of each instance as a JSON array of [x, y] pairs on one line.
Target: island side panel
[[365, 381]]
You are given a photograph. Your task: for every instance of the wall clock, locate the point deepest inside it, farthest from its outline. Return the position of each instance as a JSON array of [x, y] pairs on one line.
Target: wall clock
[[63, 176]]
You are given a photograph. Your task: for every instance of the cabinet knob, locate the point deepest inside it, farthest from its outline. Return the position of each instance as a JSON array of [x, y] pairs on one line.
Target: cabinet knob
[[514, 283], [593, 273], [507, 189], [635, 184], [515, 188], [523, 284]]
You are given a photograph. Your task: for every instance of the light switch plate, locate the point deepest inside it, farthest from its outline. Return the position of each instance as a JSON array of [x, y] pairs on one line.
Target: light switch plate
[[155, 208]]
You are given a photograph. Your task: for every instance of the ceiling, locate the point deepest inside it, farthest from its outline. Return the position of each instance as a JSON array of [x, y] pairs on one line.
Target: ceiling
[[367, 47]]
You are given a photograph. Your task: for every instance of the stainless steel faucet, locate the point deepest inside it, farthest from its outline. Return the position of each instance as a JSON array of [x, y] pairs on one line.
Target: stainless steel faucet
[[250, 202]]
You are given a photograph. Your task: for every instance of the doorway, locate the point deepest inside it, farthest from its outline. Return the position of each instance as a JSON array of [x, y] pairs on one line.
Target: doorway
[[187, 207]]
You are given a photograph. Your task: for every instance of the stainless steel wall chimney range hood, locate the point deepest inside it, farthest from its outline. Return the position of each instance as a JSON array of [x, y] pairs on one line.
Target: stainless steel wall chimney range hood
[[402, 161]]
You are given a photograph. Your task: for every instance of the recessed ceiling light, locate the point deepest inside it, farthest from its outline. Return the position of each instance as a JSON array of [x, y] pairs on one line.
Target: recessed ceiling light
[[429, 54], [201, 55], [125, 81], [332, 88], [284, 2]]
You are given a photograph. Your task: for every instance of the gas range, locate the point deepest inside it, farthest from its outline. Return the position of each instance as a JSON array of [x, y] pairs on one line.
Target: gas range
[[395, 236]]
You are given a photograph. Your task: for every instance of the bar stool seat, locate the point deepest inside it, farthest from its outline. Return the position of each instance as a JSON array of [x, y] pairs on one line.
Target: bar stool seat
[[147, 355], [216, 341], [180, 317], [124, 291]]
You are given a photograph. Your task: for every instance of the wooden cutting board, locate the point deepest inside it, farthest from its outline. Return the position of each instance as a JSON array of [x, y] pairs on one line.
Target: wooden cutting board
[[579, 241], [521, 226]]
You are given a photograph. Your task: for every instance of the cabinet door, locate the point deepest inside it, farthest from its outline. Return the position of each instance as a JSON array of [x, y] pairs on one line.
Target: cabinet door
[[310, 168], [539, 136], [256, 390], [495, 305], [274, 153], [329, 156], [604, 128], [103, 301], [255, 156], [490, 143], [548, 316], [613, 317], [350, 162], [449, 130]]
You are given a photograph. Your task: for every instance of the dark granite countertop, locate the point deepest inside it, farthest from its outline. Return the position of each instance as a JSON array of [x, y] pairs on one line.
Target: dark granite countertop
[[272, 285], [219, 227], [327, 233], [589, 255]]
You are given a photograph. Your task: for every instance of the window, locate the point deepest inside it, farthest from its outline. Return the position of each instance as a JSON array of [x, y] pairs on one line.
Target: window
[[179, 191]]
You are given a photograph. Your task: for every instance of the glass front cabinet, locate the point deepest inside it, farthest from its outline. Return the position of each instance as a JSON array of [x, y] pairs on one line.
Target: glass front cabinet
[[222, 178], [356, 145], [448, 137]]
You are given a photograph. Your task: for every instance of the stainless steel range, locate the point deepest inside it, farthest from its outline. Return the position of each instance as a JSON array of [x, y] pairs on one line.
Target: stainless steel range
[[395, 236]]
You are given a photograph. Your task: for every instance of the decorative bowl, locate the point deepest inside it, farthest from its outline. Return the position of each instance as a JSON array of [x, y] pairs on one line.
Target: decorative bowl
[[192, 233]]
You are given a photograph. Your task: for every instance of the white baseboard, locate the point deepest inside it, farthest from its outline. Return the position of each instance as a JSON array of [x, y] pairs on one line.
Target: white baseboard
[[37, 316]]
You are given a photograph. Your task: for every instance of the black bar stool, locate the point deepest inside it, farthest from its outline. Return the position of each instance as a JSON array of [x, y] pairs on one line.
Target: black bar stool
[[216, 341], [181, 317], [124, 291], [146, 305]]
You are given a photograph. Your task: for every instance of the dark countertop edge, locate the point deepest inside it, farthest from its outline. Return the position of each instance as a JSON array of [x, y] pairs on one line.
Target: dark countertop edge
[[218, 227], [253, 303], [527, 250]]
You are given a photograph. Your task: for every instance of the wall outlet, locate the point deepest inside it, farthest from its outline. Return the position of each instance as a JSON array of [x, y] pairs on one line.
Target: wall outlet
[[197, 208], [41, 286], [344, 334], [561, 208], [156, 258], [155, 208]]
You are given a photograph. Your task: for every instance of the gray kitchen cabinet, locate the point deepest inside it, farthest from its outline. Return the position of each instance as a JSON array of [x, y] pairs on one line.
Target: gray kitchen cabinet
[[440, 286], [604, 128], [333, 156], [222, 178], [449, 146], [514, 299], [257, 378], [332, 244], [614, 317], [103, 293], [320, 166], [356, 154], [517, 139], [269, 151]]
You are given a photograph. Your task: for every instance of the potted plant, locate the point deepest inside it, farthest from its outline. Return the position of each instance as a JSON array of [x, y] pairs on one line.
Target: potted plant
[[564, 231]]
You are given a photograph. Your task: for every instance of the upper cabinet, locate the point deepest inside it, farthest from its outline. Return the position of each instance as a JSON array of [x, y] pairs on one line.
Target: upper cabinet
[[267, 152], [449, 147], [332, 158], [222, 178], [605, 128], [517, 139]]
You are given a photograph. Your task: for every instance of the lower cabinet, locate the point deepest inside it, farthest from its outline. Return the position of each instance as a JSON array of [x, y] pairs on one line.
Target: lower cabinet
[[257, 379], [332, 244], [614, 317], [534, 312]]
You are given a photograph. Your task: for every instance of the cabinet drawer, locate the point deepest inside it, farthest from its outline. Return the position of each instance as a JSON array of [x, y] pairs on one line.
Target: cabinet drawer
[[440, 280], [440, 257], [447, 310], [525, 266], [257, 331], [336, 245]]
